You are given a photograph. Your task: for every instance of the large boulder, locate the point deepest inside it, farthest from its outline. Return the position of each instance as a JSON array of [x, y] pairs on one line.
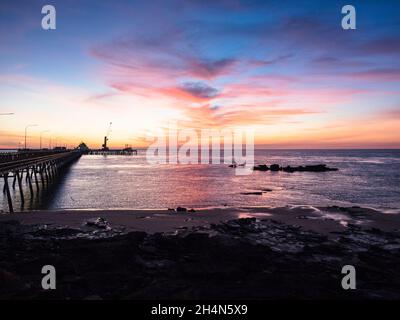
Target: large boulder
[[274, 167]]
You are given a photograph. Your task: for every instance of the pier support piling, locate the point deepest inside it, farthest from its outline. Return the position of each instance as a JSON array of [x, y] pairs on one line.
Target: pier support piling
[[41, 175], [36, 179], [21, 192], [29, 182], [7, 188]]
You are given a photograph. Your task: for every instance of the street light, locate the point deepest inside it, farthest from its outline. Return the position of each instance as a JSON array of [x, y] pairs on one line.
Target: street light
[[26, 128], [41, 133], [58, 142]]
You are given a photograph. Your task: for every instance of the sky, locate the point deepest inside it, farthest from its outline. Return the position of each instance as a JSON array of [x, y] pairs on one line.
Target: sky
[[287, 69]]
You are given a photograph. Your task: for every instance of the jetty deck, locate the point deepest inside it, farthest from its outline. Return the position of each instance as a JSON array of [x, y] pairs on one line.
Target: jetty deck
[[35, 167]]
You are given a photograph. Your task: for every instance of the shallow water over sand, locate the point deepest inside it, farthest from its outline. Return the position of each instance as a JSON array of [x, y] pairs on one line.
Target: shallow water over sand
[[366, 178]]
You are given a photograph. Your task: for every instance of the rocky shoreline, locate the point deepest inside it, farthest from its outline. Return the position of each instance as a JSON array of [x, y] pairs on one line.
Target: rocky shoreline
[[245, 258], [307, 168]]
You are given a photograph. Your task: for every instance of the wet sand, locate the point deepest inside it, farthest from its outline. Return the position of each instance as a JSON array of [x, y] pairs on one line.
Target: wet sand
[[322, 220]]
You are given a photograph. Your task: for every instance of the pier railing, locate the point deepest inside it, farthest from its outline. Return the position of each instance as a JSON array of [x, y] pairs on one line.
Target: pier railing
[[37, 167], [26, 154]]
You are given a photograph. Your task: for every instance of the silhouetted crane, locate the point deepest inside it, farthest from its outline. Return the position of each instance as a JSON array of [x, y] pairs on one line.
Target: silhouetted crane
[[105, 148]]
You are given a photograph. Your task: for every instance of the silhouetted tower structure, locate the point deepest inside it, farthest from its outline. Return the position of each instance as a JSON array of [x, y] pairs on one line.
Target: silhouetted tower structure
[[104, 145]]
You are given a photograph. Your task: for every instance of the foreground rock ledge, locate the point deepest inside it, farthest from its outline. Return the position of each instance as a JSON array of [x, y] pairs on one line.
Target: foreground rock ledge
[[239, 259]]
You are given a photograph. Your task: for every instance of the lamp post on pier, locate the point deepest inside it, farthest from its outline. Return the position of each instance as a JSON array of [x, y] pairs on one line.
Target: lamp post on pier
[[26, 129], [41, 134]]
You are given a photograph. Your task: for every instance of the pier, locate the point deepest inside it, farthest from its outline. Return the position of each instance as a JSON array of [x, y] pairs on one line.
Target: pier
[[36, 167], [26, 154], [122, 152]]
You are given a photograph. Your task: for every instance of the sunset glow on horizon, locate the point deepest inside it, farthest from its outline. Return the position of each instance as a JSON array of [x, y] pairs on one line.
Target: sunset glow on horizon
[[291, 73]]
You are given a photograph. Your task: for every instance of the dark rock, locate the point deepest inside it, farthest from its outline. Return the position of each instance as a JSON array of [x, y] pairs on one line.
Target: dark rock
[[201, 263], [9, 280], [10, 226], [261, 167], [245, 221], [93, 297], [181, 209], [274, 167], [100, 223], [309, 168], [235, 165], [56, 233], [356, 212]]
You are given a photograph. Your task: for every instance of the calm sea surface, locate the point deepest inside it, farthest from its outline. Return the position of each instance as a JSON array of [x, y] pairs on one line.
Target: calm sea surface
[[365, 177]]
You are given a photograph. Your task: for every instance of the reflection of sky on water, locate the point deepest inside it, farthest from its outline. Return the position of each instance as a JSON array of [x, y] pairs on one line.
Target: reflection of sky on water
[[365, 178]]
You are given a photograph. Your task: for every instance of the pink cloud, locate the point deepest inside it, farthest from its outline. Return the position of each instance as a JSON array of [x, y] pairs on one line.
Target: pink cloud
[[384, 74]]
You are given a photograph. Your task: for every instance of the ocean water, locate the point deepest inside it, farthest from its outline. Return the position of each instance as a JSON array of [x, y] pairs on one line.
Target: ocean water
[[368, 178]]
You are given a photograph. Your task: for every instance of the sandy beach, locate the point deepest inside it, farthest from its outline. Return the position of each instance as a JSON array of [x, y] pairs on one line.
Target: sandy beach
[[319, 219]]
